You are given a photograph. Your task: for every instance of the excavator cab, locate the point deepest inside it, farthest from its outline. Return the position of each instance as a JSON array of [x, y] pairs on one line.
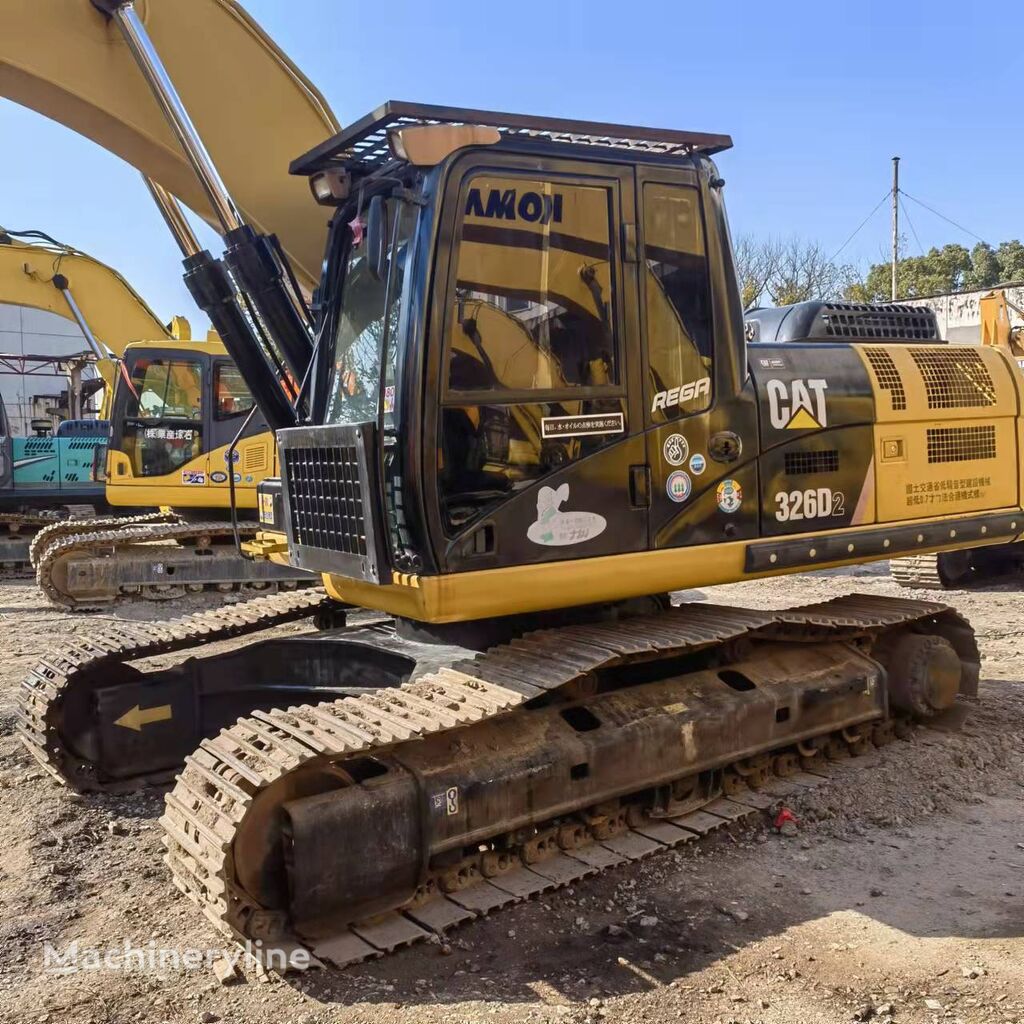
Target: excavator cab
[[176, 410], [512, 334]]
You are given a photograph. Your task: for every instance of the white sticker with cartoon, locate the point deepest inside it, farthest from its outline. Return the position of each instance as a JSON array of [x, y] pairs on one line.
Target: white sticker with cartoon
[[698, 463], [675, 449], [730, 495], [193, 478], [555, 528]]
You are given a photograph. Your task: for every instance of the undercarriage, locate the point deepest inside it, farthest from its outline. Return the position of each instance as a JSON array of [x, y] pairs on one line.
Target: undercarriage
[[387, 784]]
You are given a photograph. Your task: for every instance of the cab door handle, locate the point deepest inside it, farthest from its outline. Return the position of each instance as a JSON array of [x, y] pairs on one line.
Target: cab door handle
[[640, 486]]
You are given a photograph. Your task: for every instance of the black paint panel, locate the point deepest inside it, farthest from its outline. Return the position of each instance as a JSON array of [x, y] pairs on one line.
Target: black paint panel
[[598, 484], [831, 463], [782, 372]]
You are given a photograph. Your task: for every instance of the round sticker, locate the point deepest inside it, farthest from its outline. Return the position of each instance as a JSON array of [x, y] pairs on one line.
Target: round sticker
[[675, 449], [232, 456], [218, 477], [678, 486], [730, 495], [698, 464]]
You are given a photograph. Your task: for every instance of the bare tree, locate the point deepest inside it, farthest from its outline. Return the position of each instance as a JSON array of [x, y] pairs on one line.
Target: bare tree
[[788, 270], [755, 264]]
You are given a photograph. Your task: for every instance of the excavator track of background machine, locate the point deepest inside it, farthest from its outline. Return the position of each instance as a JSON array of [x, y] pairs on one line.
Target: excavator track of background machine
[[92, 660], [61, 529], [258, 878], [87, 571]]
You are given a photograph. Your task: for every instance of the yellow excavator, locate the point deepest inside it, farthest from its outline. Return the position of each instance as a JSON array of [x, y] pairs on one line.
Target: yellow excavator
[[527, 707], [171, 409]]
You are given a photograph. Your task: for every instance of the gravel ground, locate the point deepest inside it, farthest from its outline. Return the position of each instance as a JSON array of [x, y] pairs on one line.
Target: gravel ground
[[901, 897]]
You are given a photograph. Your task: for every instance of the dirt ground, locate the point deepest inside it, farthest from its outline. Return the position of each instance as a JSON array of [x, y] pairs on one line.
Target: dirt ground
[[901, 897]]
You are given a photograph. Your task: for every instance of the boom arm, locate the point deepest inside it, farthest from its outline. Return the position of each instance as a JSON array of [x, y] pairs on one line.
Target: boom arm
[[52, 277], [114, 311], [254, 108]]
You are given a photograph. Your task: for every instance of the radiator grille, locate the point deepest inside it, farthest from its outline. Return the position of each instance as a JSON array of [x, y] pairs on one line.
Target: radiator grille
[[954, 378], [881, 323], [799, 463], [325, 498], [888, 376], [961, 444]]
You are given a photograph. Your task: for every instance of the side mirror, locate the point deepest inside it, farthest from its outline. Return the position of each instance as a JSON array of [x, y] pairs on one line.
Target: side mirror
[[376, 237]]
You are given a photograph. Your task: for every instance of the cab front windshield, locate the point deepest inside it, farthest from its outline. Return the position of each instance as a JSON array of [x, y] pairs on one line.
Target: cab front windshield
[[359, 335], [163, 422]]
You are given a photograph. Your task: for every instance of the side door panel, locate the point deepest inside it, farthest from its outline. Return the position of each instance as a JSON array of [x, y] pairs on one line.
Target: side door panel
[[702, 432]]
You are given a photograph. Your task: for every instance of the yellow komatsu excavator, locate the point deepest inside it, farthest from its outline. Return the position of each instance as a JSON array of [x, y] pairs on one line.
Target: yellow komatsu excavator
[[171, 410], [515, 503]]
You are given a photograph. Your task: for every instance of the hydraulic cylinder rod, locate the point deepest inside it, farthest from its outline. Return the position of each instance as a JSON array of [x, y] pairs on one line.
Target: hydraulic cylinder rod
[[273, 299]]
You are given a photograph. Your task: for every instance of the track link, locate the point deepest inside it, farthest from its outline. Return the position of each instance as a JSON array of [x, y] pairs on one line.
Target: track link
[[224, 778], [44, 690], [917, 572]]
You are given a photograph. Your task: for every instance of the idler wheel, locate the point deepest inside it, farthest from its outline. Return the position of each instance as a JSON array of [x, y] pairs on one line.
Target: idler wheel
[[924, 675]]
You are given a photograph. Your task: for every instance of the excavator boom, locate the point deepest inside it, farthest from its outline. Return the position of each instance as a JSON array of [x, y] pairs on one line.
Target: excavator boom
[[115, 312], [231, 76]]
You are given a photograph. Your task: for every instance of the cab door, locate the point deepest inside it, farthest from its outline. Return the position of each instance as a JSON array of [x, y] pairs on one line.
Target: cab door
[[540, 453], [699, 406]]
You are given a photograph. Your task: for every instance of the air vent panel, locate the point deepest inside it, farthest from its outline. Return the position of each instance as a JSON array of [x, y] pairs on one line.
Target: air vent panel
[[888, 376], [961, 444], [954, 378], [803, 463]]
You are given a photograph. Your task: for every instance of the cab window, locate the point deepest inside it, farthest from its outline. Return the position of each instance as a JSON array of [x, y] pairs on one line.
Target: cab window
[[677, 299], [532, 375], [230, 395], [167, 388], [533, 308]]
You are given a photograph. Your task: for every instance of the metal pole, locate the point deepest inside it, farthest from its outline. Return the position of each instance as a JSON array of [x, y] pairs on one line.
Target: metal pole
[[174, 218], [60, 282], [152, 68], [895, 223]]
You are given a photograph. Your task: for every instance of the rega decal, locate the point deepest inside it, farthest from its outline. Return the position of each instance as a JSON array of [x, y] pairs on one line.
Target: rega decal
[[684, 393]]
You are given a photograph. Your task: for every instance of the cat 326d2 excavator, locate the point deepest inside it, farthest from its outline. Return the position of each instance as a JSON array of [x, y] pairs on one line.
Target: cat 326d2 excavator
[[528, 414]]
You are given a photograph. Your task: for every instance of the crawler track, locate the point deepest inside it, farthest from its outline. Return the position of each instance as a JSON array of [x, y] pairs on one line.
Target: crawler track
[[91, 658], [114, 538], [54, 532], [917, 572], [209, 808]]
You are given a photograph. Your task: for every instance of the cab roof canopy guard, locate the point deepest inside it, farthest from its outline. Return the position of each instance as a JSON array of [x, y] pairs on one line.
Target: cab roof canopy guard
[[363, 147]]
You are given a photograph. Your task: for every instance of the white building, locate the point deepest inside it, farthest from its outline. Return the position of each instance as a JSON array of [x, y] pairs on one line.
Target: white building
[[33, 332], [960, 315]]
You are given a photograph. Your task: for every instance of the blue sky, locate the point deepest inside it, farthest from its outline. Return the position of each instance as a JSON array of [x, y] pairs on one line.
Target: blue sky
[[817, 96]]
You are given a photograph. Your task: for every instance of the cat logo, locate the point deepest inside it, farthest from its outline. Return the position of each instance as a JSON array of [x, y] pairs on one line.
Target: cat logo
[[797, 404], [503, 204]]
